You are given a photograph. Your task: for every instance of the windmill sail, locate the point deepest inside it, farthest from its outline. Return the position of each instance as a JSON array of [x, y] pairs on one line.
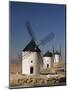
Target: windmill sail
[[47, 39], [29, 29], [44, 41]]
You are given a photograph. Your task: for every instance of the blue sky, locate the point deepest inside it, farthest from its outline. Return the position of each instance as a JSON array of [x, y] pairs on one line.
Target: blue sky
[[44, 18]]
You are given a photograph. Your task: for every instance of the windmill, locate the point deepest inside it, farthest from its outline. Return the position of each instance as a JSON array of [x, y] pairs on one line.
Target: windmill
[[31, 55]]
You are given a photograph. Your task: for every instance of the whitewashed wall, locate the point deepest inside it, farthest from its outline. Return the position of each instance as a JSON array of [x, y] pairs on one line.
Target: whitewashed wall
[[56, 58], [47, 60], [26, 62]]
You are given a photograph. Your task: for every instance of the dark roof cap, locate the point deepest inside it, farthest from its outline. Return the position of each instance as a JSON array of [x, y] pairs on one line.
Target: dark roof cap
[[48, 54], [32, 47], [57, 53]]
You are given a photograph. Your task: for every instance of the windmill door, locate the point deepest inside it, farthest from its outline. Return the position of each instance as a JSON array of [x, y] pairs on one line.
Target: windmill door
[[31, 70], [47, 65]]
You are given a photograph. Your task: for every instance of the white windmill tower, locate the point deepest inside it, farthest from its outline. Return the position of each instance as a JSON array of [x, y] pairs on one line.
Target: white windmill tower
[[57, 56], [47, 60], [31, 54], [31, 62]]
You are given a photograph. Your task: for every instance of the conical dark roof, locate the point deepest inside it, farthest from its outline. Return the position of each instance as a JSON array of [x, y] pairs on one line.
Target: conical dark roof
[[48, 54], [57, 53], [32, 47]]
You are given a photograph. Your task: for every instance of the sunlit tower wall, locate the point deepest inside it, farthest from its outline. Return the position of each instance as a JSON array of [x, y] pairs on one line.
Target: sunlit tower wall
[[31, 59]]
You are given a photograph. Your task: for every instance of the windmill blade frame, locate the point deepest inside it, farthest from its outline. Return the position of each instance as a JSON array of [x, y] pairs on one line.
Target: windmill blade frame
[[29, 29], [47, 39]]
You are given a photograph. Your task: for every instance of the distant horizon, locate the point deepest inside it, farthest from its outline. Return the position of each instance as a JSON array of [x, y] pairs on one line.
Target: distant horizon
[[44, 18]]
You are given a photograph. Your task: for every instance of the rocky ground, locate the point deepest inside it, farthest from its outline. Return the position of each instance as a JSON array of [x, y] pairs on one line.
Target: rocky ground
[[49, 77], [18, 80]]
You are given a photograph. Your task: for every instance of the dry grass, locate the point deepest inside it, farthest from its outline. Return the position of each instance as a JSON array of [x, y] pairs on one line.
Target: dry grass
[[35, 80], [39, 80]]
